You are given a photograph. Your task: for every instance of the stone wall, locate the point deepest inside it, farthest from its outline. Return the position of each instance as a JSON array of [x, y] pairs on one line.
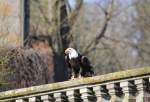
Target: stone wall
[[124, 86], [11, 22]]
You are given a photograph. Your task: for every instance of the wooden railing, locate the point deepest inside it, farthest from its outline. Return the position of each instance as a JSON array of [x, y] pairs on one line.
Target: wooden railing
[[125, 86]]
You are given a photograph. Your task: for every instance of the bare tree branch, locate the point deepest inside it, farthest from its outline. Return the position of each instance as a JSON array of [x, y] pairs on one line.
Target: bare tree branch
[[42, 12], [108, 14], [123, 10], [74, 14], [106, 46]]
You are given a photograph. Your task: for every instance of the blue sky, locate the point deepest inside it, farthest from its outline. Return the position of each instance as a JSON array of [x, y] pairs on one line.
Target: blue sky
[[72, 2], [89, 1]]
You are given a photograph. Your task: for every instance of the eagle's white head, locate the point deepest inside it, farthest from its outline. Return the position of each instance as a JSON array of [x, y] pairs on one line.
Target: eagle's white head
[[72, 53]]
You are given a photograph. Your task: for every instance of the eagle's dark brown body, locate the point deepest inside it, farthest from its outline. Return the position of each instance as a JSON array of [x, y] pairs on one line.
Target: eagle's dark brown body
[[79, 67]]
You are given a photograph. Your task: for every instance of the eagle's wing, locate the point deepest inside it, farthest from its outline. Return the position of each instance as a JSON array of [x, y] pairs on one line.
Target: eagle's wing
[[67, 61], [86, 66], [69, 69], [85, 61]]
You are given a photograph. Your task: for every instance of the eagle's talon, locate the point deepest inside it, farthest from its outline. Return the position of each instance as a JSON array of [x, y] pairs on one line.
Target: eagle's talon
[[80, 76], [73, 77]]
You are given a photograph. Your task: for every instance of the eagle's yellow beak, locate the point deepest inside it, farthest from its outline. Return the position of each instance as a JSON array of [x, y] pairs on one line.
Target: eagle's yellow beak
[[66, 51]]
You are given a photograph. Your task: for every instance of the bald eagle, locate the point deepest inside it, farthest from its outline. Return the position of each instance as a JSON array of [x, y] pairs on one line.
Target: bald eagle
[[79, 65]]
